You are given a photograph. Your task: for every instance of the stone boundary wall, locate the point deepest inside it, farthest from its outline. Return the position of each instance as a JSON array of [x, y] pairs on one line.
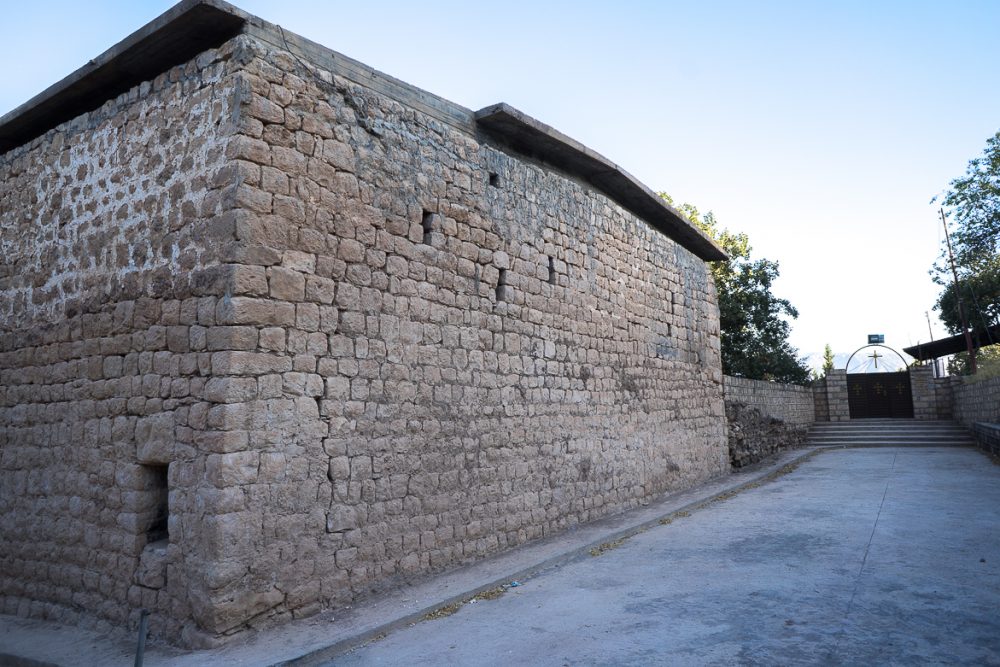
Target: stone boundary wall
[[976, 401], [923, 385], [790, 403], [944, 391], [765, 417], [988, 437]]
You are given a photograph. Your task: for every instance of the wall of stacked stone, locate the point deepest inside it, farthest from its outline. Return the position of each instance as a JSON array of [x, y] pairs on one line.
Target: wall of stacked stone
[[115, 227], [988, 437], [479, 352], [924, 389], [976, 401], [791, 403], [945, 395], [343, 342], [821, 405], [830, 394], [765, 417]]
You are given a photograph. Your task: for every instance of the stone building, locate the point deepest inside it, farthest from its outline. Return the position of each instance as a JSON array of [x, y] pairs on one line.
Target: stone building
[[278, 330]]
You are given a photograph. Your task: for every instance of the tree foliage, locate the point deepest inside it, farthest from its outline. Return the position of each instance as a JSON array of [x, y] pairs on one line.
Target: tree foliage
[[974, 206], [753, 328], [980, 290], [974, 203], [827, 360], [987, 359]]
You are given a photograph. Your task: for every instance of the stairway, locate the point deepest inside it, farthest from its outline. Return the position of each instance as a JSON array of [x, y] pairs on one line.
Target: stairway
[[889, 433]]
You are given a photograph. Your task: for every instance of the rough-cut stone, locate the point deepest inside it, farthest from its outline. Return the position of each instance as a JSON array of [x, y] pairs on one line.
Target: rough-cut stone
[[239, 382], [765, 418], [753, 436]]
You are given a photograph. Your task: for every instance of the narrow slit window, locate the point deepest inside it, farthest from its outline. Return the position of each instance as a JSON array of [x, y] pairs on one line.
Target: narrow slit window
[[502, 285], [159, 508], [430, 225], [552, 271]]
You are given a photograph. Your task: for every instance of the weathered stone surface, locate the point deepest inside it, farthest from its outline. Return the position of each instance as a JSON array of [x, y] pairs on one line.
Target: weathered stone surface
[[326, 344], [753, 436], [111, 232]]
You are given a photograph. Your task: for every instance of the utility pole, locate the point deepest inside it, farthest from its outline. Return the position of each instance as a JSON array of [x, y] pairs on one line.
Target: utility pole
[[934, 362], [958, 297]]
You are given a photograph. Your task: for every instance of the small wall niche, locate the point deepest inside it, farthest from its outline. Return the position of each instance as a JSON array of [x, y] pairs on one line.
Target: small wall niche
[[158, 505], [494, 179], [431, 224], [552, 271], [502, 286]]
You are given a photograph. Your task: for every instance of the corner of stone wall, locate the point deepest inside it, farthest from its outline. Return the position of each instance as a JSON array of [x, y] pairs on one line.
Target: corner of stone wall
[[274, 310], [157, 415]]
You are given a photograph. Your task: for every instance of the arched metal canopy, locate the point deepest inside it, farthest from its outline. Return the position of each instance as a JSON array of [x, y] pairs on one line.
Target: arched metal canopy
[[875, 357]]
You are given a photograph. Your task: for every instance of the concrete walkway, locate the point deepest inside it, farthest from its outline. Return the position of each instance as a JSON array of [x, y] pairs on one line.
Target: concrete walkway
[[861, 557], [858, 556]]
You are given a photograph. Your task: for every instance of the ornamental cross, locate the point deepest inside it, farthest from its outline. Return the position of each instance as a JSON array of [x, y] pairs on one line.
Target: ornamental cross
[[876, 356]]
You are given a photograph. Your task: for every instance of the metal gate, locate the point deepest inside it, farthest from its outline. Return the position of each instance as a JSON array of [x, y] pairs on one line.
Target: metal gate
[[879, 395]]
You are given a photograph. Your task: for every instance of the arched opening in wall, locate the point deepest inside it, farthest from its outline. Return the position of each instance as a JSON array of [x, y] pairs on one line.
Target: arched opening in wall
[[878, 385]]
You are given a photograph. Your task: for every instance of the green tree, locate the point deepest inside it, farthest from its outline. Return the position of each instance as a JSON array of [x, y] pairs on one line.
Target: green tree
[[987, 359], [974, 203], [753, 328], [827, 360], [980, 290], [974, 206]]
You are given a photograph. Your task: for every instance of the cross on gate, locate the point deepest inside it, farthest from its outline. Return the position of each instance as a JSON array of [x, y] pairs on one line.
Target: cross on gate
[[876, 356]]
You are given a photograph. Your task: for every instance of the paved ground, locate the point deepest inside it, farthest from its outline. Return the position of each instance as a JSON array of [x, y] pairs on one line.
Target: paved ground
[[860, 556]]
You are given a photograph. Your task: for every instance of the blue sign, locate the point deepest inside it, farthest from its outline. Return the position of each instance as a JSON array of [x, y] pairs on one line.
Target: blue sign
[[876, 339]]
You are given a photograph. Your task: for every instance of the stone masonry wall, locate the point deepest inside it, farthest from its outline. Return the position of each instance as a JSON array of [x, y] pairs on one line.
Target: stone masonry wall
[[765, 417], [830, 393], [924, 390], [112, 230], [791, 403], [337, 342], [976, 401], [944, 392], [450, 350]]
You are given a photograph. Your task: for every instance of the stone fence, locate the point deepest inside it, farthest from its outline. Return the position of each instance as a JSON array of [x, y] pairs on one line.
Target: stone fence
[[792, 404], [765, 417], [975, 401]]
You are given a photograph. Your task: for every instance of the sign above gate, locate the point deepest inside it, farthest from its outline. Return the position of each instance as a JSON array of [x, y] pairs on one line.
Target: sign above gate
[[876, 339]]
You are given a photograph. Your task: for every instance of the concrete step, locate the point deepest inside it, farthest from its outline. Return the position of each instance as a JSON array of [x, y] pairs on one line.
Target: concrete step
[[890, 433]]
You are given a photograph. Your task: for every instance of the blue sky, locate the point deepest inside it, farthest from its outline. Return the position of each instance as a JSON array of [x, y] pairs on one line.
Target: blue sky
[[822, 130]]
